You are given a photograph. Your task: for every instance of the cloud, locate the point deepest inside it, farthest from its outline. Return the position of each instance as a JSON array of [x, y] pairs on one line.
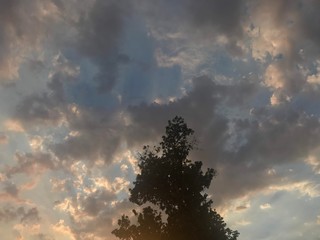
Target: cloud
[[31, 164], [240, 208], [22, 34], [285, 32], [13, 125], [25, 216], [62, 228], [47, 108], [95, 202], [263, 142], [30, 217], [313, 161], [3, 138], [11, 189], [212, 14], [265, 206], [95, 206], [198, 107], [244, 223], [42, 236], [200, 20], [102, 225], [267, 142], [97, 136], [244, 75], [100, 31]]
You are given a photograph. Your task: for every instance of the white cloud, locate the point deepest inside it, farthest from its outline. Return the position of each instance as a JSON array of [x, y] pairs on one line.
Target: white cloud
[[244, 223], [305, 188], [265, 206]]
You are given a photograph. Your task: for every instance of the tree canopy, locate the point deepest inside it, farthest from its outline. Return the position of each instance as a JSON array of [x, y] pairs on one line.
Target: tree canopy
[[173, 187]]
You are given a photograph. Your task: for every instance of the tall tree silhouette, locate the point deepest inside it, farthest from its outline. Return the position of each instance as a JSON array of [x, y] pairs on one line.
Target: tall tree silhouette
[[175, 186]]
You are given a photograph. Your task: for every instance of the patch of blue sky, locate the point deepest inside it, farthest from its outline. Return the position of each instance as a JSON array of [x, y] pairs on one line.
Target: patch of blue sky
[[222, 63], [142, 80], [308, 103], [83, 91]]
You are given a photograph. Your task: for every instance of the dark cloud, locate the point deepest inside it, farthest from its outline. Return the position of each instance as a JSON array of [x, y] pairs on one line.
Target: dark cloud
[[42, 236], [224, 16], [102, 224], [198, 22], [25, 216], [241, 208], [100, 32], [199, 108], [285, 135], [274, 138], [38, 110], [30, 217], [246, 147], [97, 201], [8, 214], [48, 108], [11, 189], [270, 137], [31, 163], [97, 136]]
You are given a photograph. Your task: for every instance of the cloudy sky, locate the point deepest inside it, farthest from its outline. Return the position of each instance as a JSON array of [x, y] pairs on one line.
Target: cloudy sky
[[84, 84]]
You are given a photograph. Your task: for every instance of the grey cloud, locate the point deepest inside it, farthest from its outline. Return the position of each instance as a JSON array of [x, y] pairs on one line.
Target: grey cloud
[[299, 44], [31, 163], [30, 217], [98, 136], [8, 214], [309, 25], [241, 208], [100, 33], [198, 22], [97, 201], [42, 236], [301, 16], [10, 20], [273, 138], [285, 135], [48, 107], [94, 211], [101, 225], [25, 216], [270, 137], [23, 30], [95, 136], [198, 107], [38, 110], [225, 16], [11, 189]]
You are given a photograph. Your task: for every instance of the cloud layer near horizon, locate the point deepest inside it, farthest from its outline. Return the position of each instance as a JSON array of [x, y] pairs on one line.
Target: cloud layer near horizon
[[85, 84]]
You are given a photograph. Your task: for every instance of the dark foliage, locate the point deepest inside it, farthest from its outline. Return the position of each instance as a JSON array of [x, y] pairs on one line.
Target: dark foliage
[[174, 184]]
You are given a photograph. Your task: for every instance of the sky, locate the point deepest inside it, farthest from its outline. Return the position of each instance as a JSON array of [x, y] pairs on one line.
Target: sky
[[84, 84]]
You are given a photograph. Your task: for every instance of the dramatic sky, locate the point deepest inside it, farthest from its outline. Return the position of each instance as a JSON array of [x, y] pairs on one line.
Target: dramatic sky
[[84, 84]]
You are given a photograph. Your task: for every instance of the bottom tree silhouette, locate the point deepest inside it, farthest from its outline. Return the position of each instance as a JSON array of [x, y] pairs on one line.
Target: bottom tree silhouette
[[174, 186]]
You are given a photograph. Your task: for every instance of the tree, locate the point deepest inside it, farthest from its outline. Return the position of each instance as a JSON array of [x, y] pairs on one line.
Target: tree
[[175, 185]]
